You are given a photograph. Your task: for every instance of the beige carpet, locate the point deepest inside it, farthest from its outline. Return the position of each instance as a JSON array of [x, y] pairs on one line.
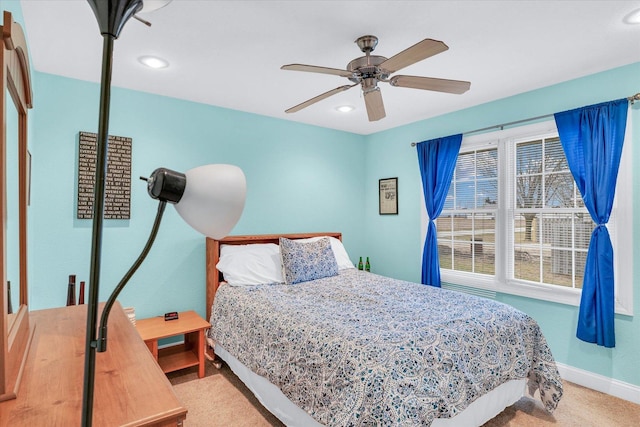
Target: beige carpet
[[220, 399]]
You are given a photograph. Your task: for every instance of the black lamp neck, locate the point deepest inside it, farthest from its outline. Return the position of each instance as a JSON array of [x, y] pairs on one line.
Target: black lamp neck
[[101, 343]]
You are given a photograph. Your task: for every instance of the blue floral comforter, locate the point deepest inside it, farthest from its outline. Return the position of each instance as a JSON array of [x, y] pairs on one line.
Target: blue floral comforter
[[362, 349]]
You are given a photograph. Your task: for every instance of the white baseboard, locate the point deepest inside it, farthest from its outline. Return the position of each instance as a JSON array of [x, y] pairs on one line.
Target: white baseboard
[[600, 383]]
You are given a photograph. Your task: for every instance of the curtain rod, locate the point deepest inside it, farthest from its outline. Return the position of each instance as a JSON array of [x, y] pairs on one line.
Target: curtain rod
[[631, 99]]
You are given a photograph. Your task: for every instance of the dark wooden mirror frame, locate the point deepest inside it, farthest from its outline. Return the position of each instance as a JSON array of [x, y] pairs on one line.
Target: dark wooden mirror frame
[[15, 333]]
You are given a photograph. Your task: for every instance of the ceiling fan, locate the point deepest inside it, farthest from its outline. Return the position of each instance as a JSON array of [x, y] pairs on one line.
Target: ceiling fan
[[369, 70]]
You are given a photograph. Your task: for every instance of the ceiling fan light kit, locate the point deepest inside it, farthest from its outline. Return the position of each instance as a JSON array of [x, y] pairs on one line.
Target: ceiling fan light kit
[[369, 70]]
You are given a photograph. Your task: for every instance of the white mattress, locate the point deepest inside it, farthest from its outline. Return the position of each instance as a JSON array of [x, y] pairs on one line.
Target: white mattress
[[477, 413]]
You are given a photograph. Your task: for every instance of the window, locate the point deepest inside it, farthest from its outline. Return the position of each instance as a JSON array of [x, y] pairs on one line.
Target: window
[[514, 220], [550, 226], [467, 224]]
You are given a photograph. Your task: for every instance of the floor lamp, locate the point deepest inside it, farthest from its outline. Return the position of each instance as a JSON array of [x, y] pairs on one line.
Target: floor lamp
[[209, 198]]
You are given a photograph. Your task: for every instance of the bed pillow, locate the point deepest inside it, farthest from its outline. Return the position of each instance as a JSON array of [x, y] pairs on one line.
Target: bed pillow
[[304, 261], [254, 264], [342, 258]]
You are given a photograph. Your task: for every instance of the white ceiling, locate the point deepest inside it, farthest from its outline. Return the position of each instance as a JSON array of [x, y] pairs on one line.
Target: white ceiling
[[229, 53]]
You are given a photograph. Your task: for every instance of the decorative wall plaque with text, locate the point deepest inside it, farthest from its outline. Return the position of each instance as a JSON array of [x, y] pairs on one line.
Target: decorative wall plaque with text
[[117, 200]]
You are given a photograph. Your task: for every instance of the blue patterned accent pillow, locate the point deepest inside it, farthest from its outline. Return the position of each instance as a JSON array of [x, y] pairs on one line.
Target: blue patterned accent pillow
[[306, 261]]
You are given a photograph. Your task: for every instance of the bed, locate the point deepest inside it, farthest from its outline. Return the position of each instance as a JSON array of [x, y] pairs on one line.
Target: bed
[[337, 346]]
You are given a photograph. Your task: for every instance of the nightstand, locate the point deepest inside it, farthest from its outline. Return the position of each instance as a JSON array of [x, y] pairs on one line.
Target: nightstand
[[173, 358]]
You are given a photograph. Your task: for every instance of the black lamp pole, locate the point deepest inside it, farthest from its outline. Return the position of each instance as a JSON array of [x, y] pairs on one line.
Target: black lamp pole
[[111, 16]]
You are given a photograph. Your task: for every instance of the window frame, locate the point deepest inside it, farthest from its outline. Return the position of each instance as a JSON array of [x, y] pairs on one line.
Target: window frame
[[621, 238]]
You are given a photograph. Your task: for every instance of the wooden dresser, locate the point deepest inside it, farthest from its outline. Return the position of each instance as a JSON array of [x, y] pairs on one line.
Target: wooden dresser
[[130, 387]]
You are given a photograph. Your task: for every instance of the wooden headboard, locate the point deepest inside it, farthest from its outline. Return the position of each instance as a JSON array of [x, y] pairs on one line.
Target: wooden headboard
[[214, 277]]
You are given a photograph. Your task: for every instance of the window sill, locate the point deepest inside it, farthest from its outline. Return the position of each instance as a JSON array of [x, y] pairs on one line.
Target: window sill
[[555, 294]]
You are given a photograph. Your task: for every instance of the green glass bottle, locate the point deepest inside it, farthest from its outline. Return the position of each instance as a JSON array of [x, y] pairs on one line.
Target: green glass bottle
[[9, 305], [367, 266], [360, 264]]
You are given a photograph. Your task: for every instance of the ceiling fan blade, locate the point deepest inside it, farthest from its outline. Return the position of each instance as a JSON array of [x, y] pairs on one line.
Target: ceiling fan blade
[[311, 101], [316, 69], [431, 83], [375, 106], [415, 53]]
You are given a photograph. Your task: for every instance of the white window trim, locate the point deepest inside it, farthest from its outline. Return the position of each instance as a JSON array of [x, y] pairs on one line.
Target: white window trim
[[621, 236]]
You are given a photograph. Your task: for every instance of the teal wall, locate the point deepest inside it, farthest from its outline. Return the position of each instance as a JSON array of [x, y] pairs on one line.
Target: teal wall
[[395, 243], [300, 178]]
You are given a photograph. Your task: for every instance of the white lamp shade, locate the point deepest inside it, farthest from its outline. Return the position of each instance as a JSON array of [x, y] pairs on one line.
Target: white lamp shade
[[151, 5], [213, 199]]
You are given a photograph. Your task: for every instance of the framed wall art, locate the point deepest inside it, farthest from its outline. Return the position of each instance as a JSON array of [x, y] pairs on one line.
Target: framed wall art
[[388, 196]]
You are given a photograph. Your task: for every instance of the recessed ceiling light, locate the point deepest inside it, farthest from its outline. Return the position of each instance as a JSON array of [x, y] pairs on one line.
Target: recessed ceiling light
[[153, 62], [345, 108], [633, 18]]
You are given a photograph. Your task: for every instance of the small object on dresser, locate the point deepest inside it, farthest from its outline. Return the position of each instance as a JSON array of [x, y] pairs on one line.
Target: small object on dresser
[[172, 315], [81, 293], [367, 266], [131, 314], [71, 290], [360, 264], [9, 306]]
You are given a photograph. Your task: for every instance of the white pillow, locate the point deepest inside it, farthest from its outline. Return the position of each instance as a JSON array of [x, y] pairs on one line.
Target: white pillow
[[254, 264], [342, 258]]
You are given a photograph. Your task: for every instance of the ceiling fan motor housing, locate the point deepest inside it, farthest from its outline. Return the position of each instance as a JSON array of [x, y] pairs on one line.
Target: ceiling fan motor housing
[[366, 67]]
